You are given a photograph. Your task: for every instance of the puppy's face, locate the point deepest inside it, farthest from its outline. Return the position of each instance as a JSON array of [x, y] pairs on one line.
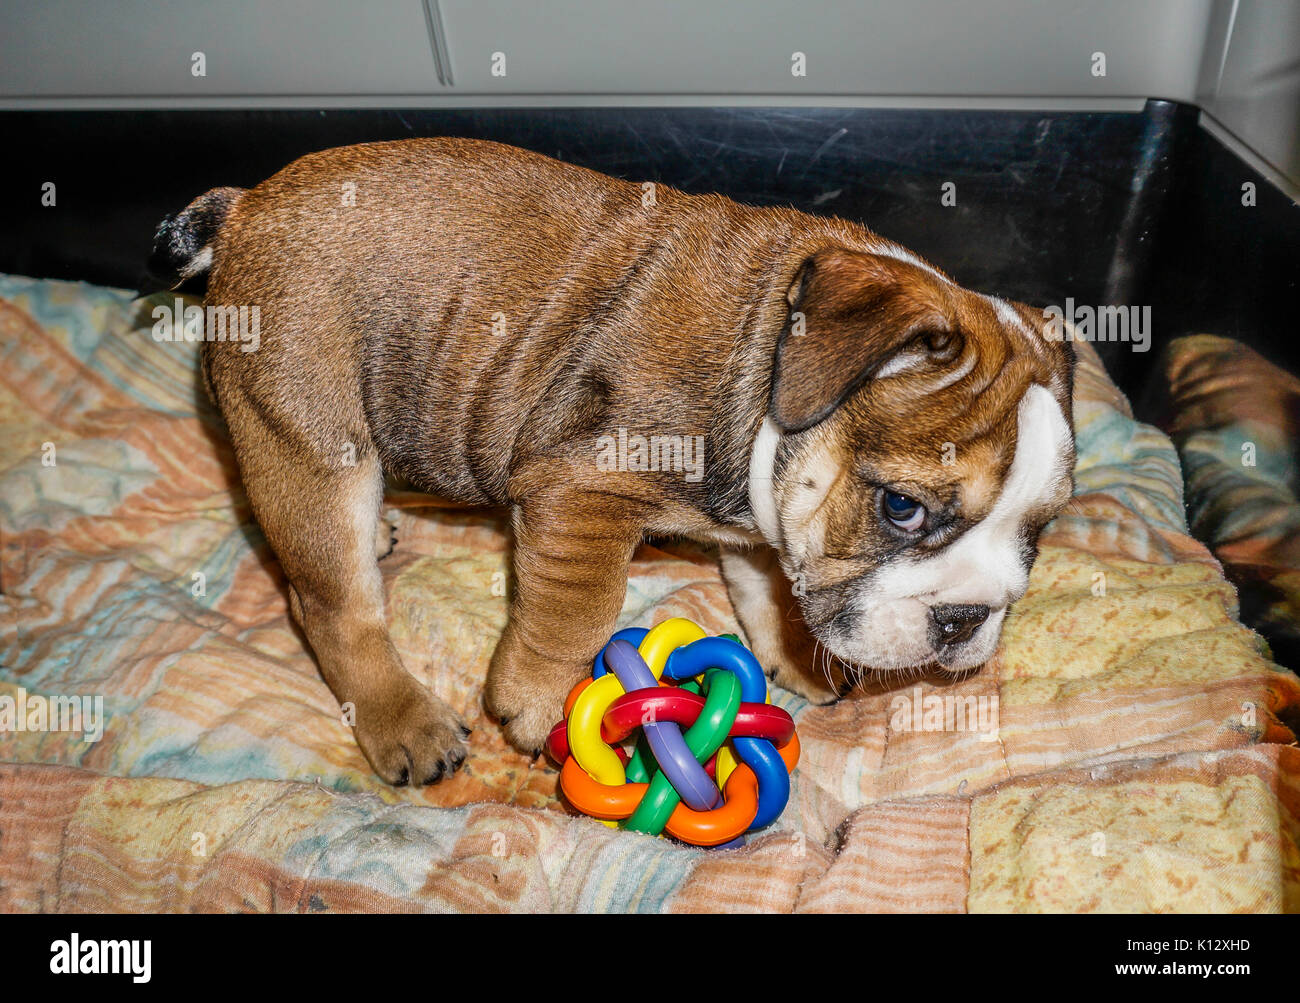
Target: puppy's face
[[918, 440]]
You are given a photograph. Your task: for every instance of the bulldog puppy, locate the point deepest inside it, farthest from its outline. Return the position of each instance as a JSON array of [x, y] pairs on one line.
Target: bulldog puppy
[[880, 447]]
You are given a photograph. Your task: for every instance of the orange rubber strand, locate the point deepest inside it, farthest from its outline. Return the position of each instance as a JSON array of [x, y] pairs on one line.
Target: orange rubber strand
[[700, 828]]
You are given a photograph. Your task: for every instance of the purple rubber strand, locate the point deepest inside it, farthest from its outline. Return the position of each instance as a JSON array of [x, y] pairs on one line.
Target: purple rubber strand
[[687, 776]]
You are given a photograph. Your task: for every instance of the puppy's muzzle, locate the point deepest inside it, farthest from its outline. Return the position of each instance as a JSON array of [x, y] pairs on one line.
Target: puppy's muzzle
[[952, 625]]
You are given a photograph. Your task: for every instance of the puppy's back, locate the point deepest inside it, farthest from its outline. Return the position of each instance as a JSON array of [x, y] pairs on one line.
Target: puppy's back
[[483, 299]]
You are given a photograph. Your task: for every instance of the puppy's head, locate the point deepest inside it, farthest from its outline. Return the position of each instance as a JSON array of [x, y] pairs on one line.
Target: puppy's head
[[917, 441]]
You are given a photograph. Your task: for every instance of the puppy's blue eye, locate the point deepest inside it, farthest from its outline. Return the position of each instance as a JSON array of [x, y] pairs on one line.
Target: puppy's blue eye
[[903, 512]]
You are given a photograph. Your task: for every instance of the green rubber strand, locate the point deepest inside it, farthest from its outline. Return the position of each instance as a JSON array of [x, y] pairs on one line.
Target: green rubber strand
[[703, 738]]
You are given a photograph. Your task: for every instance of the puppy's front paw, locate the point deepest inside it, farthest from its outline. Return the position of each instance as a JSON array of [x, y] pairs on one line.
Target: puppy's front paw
[[527, 695], [804, 672], [808, 685], [409, 735]]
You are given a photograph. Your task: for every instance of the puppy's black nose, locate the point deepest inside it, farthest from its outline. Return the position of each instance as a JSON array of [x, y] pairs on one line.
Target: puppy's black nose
[[955, 624]]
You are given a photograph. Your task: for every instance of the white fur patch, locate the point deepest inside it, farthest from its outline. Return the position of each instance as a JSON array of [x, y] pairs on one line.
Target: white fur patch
[[198, 264], [901, 363], [907, 362], [903, 254], [1009, 315], [762, 492], [1012, 318], [803, 493], [982, 567]]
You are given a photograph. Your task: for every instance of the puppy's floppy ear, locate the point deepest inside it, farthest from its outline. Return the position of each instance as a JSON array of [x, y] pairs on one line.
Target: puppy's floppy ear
[[1055, 337], [850, 313]]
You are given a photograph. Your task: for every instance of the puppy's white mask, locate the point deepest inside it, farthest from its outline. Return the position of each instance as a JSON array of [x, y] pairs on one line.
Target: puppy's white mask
[[948, 606]]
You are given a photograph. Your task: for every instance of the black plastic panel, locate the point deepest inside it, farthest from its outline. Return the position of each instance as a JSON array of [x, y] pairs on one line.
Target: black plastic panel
[[1131, 208]]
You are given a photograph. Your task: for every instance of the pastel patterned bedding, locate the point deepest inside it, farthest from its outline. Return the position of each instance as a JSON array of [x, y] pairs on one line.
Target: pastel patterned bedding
[[1235, 419], [1131, 746]]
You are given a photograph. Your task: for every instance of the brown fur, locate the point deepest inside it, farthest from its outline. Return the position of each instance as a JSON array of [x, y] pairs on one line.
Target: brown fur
[[379, 354]]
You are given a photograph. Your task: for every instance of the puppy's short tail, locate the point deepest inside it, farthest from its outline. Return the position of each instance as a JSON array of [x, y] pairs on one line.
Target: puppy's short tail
[[182, 244]]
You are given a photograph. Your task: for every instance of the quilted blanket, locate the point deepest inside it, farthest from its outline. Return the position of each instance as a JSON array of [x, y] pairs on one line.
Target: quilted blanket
[[1235, 419], [166, 743]]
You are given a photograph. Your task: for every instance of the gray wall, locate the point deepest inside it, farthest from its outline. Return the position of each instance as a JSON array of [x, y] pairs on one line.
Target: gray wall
[[1239, 59], [1250, 77]]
